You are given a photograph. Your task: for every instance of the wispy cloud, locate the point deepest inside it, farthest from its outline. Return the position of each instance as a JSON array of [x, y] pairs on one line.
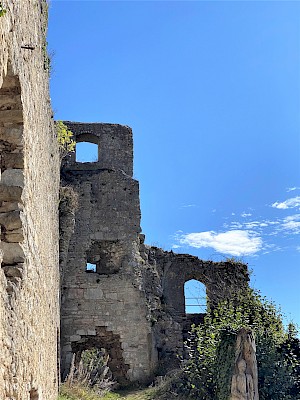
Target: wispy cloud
[[291, 189], [188, 205], [289, 203], [291, 223], [245, 215], [249, 235], [232, 242]]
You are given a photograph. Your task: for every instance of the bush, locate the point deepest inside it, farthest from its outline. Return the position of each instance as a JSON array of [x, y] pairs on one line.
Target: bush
[[64, 138], [207, 374], [91, 375]]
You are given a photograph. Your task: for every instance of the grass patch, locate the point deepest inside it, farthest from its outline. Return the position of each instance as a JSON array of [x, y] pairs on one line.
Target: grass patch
[[161, 392], [78, 392]]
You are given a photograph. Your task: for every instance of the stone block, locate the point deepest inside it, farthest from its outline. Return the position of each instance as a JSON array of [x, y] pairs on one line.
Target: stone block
[[112, 296], [12, 253], [15, 236], [91, 332], [10, 206], [67, 348], [11, 220], [80, 332], [13, 271], [11, 116], [12, 160], [12, 135], [93, 294], [10, 193], [75, 338], [13, 177]]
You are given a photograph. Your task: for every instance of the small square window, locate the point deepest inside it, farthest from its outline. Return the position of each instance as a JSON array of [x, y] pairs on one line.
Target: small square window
[[90, 268], [86, 152]]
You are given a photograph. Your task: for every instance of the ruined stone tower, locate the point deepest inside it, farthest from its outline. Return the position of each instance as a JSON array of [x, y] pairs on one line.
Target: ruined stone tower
[[105, 307]]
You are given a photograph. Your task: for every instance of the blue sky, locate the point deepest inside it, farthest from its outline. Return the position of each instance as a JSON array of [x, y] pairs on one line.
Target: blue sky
[[211, 90]]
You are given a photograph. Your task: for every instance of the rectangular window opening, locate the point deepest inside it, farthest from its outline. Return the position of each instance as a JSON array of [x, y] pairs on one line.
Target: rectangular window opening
[[90, 268], [86, 152]]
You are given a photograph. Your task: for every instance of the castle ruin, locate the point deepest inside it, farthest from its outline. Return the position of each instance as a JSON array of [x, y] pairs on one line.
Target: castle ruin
[[132, 303]]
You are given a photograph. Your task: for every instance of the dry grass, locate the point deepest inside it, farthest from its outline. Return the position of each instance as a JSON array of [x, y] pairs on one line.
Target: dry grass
[[80, 393], [162, 391], [77, 392]]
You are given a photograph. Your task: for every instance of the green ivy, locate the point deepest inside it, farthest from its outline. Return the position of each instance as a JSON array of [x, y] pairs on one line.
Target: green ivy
[[2, 10], [207, 374], [225, 354]]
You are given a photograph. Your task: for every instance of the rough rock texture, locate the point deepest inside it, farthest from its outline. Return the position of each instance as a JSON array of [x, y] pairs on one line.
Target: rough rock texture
[[29, 319], [131, 301]]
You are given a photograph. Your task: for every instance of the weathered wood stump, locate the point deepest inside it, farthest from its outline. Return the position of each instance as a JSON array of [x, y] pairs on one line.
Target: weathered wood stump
[[244, 383]]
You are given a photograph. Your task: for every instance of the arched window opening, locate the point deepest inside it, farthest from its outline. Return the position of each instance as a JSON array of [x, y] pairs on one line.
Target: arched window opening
[[195, 297], [90, 268], [86, 152]]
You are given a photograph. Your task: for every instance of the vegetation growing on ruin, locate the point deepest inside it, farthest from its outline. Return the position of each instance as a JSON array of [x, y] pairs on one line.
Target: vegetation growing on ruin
[[2, 10], [208, 373], [65, 139]]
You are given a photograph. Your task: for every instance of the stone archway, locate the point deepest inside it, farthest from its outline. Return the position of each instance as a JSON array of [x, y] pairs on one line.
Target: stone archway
[[111, 342]]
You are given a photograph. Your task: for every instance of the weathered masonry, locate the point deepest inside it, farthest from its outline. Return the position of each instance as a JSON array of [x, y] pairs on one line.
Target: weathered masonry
[[106, 307], [118, 293], [29, 279], [115, 292]]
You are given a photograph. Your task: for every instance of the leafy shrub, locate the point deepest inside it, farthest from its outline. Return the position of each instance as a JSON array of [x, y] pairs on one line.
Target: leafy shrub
[[207, 374], [64, 138]]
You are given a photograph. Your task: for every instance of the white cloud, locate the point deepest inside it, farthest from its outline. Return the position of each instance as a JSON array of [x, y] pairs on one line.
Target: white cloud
[[234, 242], [175, 246], [292, 223], [291, 189], [252, 224], [244, 215], [188, 206], [289, 203]]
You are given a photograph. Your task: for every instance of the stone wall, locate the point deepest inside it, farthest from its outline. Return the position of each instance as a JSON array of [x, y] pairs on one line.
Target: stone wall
[[29, 312], [130, 299], [164, 275]]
